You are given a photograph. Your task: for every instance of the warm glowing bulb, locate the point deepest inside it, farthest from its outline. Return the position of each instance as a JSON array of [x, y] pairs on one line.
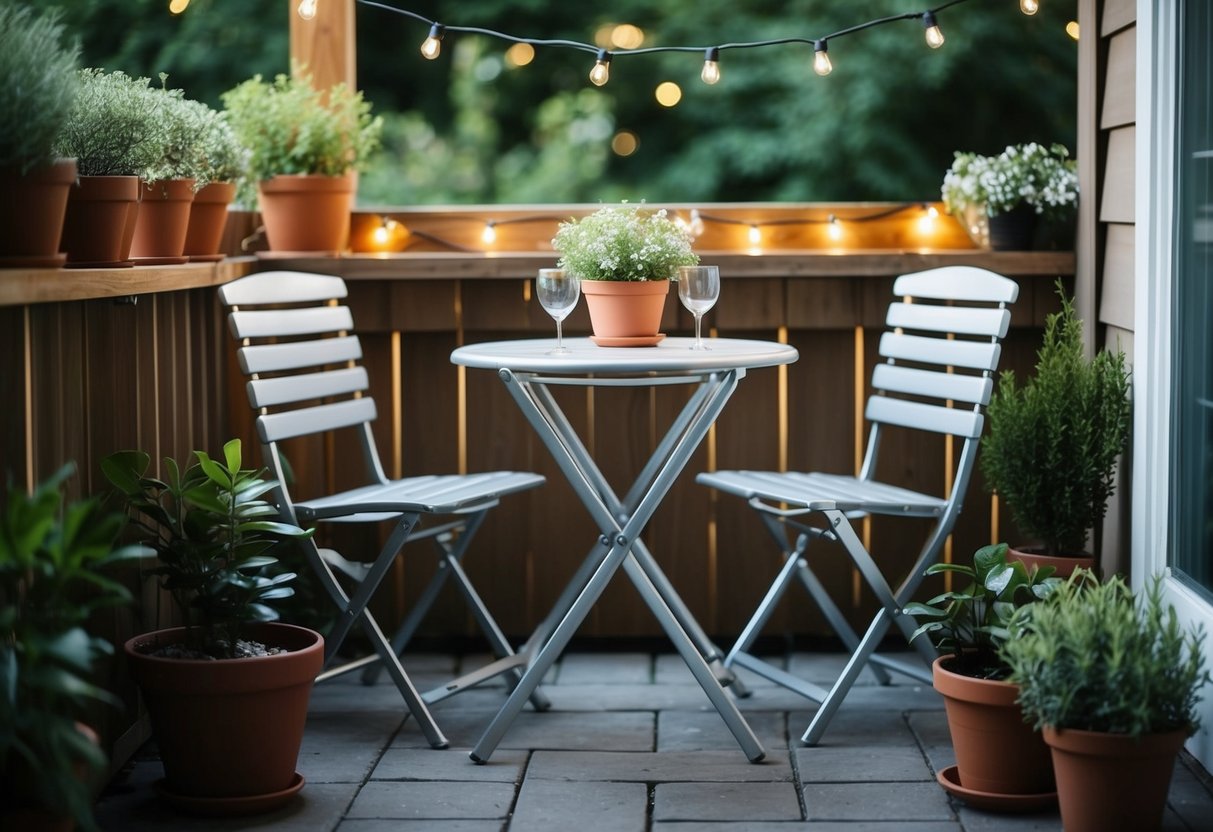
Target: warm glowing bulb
[[307, 9], [1072, 29], [821, 58], [1029, 6], [179, 7], [382, 235], [711, 69], [696, 225], [834, 229], [432, 46], [755, 235], [933, 33], [601, 73], [489, 235]]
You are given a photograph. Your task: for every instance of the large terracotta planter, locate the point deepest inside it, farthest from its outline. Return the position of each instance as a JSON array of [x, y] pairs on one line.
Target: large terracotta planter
[[997, 753], [1112, 781], [164, 216], [32, 207], [100, 222], [625, 313], [208, 219], [229, 731], [1064, 564], [307, 213]]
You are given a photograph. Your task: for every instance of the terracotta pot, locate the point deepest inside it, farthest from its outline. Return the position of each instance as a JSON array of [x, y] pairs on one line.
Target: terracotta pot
[[100, 221], [32, 206], [164, 216], [229, 731], [307, 213], [1064, 564], [996, 751], [625, 309], [1112, 781], [208, 219]]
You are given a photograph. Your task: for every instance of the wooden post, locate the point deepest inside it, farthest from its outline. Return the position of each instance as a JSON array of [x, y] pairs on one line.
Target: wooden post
[[325, 45]]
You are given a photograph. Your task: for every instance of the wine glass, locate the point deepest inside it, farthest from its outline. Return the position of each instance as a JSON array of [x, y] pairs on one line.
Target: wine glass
[[698, 288], [558, 291]]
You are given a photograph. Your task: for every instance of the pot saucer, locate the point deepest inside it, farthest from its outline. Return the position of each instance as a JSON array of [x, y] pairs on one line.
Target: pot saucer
[[206, 258], [160, 261], [229, 806], [950, 780], [101, 264], [628, 341], [31, 261]]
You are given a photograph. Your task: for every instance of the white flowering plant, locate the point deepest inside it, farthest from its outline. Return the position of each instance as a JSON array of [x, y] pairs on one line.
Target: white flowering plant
[[624, 242], [1042, 177]]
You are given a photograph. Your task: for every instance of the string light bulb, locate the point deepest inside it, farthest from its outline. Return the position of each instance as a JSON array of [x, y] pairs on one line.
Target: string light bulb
[[601, 73], [926, 223], [1029, 7], [711, 66], [934, 34], [755, 234], [489, 235], [696, 225], [431, 48], [834, 229], [821, 58], [307, 9]]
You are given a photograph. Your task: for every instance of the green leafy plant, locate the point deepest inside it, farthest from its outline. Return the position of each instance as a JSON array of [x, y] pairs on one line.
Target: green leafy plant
[[115, 127], [179, 150], [290, 127], [52, 559], [39, 72], [1051, 447], [973, 623], [1044, 178], [223, 157], [1095, 658], [624, 242], [213, 533]]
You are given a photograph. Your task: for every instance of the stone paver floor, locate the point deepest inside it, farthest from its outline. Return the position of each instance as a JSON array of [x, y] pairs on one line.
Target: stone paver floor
[[630, 744]]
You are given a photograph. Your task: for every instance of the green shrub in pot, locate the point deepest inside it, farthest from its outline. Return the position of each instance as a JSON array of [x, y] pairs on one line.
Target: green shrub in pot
[[115, 127]]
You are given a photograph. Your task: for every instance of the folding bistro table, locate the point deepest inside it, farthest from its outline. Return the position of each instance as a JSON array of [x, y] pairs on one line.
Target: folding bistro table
[[528, 371]]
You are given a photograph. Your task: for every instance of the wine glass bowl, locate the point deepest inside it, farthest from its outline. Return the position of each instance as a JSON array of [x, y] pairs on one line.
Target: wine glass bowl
[[698, 289], [558, 291]]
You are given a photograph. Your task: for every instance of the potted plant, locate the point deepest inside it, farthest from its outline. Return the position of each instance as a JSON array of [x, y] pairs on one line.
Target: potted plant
[[1113, 681], [112, 133], [998, 198], [1001, 763], [303, 144], [222, 163], [52, 562], [39, 72], [1051, 444], [626, 256], [228, 692]]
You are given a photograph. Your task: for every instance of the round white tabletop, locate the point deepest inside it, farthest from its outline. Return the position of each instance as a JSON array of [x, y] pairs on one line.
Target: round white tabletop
[[672, 355]]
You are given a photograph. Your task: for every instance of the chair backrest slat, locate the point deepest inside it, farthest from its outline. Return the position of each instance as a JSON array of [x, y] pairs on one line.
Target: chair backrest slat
[[920, 416], [915, 382], [961, 320], [276, 358], [975, 355], [271, 392], [283, 323], [958, 283], [276, 427], [282, 287]]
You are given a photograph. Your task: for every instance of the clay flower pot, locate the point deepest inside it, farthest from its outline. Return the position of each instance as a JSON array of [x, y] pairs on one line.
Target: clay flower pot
[[164, 216], [307, 213], [625, 313], [100, 222], [208, 219], [32, 207], [1064, 564]]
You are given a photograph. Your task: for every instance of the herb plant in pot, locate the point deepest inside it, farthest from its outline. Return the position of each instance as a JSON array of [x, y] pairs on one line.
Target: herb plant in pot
[[39, 72], [304, 143], [222, 164], [1001, 763], [626, 256], [228, 692], [1052, 443], [53, 562], [1113, 681]]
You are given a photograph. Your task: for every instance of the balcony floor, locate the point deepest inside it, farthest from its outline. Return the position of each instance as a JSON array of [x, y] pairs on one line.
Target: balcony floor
[[629, 744]]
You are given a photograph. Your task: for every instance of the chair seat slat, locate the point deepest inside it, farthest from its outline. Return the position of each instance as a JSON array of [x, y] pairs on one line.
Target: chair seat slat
[[276, 358], [436, 494], [934, 418], [282, 287], [963, 320], [275, 427], [823, 491], [973, 355], [270, 392], [934, 383]]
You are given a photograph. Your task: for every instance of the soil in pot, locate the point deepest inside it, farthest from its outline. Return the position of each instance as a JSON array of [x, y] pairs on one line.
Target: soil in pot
[[32, 207]]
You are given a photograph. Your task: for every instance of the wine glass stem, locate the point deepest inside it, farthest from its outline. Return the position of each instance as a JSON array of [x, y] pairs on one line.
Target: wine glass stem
[[698, 339], [559, 336]]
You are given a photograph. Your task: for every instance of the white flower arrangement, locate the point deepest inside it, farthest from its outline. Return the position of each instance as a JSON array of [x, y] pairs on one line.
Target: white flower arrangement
[[624, 242], [1031, 174]]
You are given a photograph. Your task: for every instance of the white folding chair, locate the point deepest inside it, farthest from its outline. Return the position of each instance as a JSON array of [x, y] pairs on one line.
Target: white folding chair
[[941, 349], [301, 356]]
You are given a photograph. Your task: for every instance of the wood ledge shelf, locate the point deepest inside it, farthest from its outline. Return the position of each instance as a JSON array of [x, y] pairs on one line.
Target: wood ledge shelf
[[29, 286]]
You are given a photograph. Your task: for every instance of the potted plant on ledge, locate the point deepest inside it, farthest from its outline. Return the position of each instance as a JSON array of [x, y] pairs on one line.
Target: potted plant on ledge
[[1113, 681], [303, 145], [1001, 762], [1051, 444], [625, 256], [228, 692]]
